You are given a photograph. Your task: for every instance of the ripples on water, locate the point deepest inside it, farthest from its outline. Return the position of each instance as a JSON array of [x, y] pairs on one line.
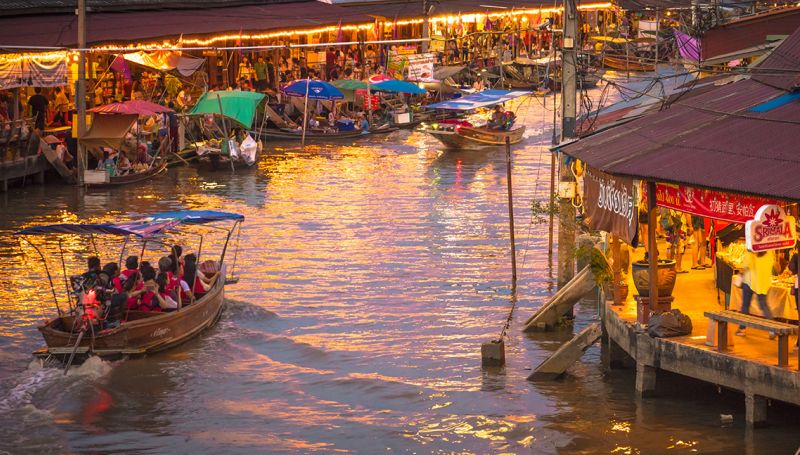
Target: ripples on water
[[370, 274]]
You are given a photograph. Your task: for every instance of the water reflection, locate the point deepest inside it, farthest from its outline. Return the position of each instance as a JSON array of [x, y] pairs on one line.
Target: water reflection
[[372, 270]]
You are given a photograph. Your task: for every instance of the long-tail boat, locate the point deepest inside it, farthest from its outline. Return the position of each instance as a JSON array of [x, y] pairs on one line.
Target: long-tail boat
[[80, 332]]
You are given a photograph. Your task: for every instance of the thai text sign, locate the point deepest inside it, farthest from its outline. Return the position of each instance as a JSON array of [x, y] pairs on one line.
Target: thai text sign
[[772, 229], [610, 204], [728, 207]]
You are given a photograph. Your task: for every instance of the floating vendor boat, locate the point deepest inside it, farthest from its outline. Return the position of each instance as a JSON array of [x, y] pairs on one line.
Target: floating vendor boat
[[217, 149], [113, 132], [310, 134], [94, 325], [463, 135], [632, 63]]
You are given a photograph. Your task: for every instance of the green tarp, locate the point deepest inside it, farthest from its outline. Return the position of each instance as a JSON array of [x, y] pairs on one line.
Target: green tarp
[[350, 84], [236, 104]]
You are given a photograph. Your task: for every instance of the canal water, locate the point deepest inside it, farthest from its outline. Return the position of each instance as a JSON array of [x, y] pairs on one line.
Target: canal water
[[370, 274]]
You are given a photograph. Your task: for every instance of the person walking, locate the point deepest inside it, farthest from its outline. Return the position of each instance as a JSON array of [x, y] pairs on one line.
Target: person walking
[[698, 243], [38, 104], [757, 279]]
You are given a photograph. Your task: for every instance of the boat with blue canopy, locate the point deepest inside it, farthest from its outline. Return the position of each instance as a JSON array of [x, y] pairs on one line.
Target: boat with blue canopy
[[99, 319], [460, 134]]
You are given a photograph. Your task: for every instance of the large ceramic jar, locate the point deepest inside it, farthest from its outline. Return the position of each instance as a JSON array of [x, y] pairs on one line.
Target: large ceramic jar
[[640, 272]]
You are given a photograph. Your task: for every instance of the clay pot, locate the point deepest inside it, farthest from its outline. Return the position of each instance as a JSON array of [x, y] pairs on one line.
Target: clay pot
[[666, 277], [620, 293]]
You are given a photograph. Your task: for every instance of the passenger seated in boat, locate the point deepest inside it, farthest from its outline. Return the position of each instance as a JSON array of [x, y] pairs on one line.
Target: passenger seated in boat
[[123, 164], [165, 295], [202, 278], [131, 267], [498, 120], [112, 277], [133, 288]]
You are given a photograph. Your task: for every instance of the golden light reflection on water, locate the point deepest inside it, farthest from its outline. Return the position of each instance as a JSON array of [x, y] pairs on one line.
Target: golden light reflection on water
[[383, 265]]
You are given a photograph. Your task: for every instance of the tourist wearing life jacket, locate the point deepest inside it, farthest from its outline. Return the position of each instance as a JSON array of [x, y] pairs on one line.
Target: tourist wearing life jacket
[[164, 295]]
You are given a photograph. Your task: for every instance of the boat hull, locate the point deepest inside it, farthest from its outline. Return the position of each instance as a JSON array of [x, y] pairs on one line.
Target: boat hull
[[293, 135], [477, 138], [630, 64], [119, 180], [143, 333]]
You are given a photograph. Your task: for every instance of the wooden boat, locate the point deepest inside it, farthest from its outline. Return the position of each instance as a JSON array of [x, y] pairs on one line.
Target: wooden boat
[[476, 137], [185, 156], [78, 333], [632, 63], [311, 135], [142, 333], [101, 179]]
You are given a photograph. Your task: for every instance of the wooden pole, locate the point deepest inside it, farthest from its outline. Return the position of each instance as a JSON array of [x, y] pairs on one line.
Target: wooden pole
[[652, 221], [511, 216], [550, 207], [655, 65], [225, 131], [80, 85], [305, 114]]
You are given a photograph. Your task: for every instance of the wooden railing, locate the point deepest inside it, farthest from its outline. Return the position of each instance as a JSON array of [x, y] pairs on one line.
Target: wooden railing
[[16, 139]]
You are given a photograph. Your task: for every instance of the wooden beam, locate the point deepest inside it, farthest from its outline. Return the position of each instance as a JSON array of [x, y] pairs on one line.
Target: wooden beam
[[652, 243]]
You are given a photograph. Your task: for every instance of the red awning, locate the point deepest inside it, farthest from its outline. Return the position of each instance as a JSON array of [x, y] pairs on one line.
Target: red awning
[[60, 30]]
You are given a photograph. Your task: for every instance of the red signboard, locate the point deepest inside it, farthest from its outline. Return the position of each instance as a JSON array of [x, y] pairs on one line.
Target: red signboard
[[733, 208], [369, 102]]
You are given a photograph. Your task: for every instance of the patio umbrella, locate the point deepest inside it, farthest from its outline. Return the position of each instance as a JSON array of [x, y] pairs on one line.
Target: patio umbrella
[[137, 107], [312, 89], [350, 84], [397, 86]]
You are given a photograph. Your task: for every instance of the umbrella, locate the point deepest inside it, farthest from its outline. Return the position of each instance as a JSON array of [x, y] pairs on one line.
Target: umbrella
[[375, 78], [236, 104], [313, 90], [350, 84], [137, 107], [394, 85]]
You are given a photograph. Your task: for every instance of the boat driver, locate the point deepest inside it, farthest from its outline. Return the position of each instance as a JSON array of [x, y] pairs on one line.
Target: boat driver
[[498, 120]]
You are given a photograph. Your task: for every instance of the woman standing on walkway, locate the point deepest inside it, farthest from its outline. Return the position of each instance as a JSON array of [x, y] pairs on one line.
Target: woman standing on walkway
[[757, 279]]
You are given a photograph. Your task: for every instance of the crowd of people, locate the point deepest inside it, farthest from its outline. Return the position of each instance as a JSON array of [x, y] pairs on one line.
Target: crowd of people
[[107, 294]]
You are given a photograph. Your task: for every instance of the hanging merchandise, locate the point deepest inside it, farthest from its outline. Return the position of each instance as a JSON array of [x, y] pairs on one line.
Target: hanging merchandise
[[41, 70]]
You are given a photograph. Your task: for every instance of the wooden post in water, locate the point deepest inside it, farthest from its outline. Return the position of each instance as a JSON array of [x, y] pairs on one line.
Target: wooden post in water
[[305, 114], [225, 130], [511, 217], [550, 205], [652, 244], [80, 88]]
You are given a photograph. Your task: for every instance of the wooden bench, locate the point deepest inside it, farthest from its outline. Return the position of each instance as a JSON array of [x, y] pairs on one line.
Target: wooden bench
[[782, 330]]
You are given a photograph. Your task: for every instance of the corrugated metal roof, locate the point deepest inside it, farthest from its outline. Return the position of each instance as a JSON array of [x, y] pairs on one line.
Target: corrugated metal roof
[[404, 9], [708, 140], [19, 7], [781, 68], [748, 32], [60, 30]]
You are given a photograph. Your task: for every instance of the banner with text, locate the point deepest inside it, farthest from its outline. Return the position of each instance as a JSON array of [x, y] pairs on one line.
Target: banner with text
[[718, 205], [420, 68], [610, 204]]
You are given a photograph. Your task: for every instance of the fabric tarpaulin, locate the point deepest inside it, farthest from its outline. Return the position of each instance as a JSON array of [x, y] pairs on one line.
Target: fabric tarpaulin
[[135, 107], [316, 90], [108, 131], [689, 47], [46, 70], [397, 86], [485, 98], [610, 205], [166, 61], [236, 104]]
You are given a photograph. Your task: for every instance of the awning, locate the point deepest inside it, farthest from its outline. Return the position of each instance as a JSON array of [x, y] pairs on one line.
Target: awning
[[139, 229], [485, 98], [45, 70], [236, 104], [397, 86], [443, 72], [108, 130], [145, 227], [133, 107], [166, 61], [196, 216]]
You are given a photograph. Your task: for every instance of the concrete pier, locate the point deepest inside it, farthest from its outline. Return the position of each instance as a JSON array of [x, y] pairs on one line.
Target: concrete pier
[[759, 380]]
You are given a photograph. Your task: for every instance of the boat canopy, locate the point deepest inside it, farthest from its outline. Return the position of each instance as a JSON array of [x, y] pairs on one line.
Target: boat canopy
[[145, 227], [236, 104], [108, 131], [485, 98]]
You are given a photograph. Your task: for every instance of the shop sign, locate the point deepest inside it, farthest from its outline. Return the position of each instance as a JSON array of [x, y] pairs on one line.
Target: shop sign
[[772, 229], [610, 204], [718, 205], [420, 67]]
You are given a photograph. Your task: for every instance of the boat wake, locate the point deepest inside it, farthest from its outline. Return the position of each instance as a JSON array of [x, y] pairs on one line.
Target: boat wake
[[242, 310], [40, 376]]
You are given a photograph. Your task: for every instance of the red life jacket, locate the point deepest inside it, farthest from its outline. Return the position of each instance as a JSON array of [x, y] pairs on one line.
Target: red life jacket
[[149, 302], [198, 286], [117, 281], [172, 282], [127, 273]]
